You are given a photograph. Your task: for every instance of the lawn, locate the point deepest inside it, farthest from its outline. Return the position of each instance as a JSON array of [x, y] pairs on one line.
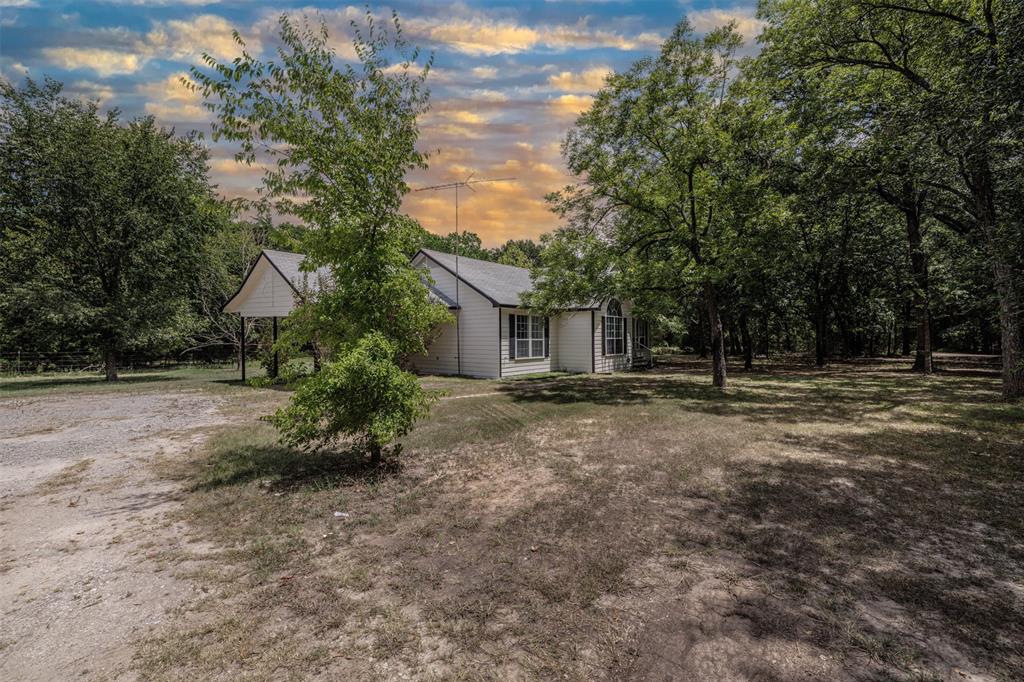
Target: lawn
[[859, 522], [61, 383]]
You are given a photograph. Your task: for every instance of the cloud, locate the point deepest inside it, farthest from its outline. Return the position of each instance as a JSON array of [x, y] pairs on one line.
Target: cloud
[[570, 106], [163, 3], [104, 62], [496, 211], [18, 3], [488, 96], [747, 23], [227, 166], [12, 70], [479, 34], [484, 72], [171, 102], [589, 80], [266, 29], [465, 117], [190, 38], [100, 92]]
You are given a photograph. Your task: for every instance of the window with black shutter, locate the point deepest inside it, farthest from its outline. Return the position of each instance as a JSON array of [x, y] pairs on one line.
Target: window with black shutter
[[512, 337]]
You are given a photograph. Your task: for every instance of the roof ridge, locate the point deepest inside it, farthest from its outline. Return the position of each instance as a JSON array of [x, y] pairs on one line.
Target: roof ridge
[[477, 260]]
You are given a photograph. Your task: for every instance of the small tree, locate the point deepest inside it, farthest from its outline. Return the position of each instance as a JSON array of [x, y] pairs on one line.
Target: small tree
[[341, 137], [364, 393]]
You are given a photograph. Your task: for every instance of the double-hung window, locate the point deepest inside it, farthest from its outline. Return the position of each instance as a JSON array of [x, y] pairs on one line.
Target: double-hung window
[[614, 330], [529, 336]]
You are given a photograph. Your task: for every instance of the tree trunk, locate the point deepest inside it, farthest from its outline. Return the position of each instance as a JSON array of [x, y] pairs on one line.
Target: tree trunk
[[702, 350], [910, 200], [1011, 338], [717, 337], [919, 273], [375, 452], [1011, 307], [110, 363], [820, 337], [748, 346], [907, 330], [765, 337]]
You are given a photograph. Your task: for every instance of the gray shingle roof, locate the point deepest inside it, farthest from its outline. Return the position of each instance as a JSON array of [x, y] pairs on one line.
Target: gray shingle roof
[[501, 284], [288, 263]]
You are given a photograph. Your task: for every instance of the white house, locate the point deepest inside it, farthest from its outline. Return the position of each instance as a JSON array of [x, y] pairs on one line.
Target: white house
[[493, 335]]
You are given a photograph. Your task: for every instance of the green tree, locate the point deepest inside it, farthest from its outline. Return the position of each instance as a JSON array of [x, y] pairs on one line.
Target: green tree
[[341, 137], [101, 225], [523, 253], [363, 394], [960, 63], [666, 188]]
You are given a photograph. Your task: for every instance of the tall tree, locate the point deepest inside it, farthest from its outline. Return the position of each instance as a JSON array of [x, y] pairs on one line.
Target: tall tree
[[665, 186], [101, 223], [341, 137], [963, 61]]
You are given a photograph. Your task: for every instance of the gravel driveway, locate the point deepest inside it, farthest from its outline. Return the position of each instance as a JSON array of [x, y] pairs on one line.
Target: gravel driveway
[[81, 511]]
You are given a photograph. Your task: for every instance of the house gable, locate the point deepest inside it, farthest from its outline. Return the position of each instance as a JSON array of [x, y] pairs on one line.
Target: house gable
[[265, 292]]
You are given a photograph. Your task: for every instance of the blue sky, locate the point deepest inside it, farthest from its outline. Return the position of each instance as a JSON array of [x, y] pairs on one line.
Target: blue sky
[[508, 79]]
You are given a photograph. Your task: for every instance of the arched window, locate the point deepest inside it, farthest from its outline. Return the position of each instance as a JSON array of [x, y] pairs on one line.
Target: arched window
[[614, 329]]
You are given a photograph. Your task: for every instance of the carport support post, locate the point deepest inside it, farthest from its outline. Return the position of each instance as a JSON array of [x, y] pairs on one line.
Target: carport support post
[[275, 347], [241, 350]]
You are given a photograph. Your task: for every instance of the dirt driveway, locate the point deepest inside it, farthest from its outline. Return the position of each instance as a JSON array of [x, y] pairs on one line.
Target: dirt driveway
[[81, 511]]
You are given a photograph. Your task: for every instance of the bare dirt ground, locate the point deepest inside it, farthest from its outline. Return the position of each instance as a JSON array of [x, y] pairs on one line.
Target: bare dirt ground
[[80, 514], [855, 523]]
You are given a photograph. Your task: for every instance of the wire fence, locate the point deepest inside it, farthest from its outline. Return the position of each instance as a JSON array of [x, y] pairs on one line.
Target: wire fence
[[14, 363]]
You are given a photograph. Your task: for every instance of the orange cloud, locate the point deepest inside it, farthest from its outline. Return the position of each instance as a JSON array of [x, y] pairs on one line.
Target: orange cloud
[[496, 211], [589, 80], [570, 106], [479, 34]]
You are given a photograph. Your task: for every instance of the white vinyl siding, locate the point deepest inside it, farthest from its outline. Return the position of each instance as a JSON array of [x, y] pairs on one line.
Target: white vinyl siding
[[572, 332], [518, 366], [477, 326], [265, 294], [441, 356]]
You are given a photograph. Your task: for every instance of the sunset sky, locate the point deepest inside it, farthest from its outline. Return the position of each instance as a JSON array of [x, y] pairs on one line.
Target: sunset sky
[[508, 80]]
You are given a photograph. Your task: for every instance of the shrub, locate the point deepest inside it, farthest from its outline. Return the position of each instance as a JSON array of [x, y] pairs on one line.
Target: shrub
[[362, 393]]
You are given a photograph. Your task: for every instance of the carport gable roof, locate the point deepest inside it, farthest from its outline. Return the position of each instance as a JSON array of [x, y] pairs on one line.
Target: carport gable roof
[[289, 266]]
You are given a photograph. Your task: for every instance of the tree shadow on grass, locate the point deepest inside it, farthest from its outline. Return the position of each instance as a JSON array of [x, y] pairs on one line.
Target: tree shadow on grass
[[905, 547], [782, 395], [288, 469]]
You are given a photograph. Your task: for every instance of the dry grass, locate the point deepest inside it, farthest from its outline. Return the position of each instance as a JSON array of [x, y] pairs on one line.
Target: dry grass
[[860, 522], [71, 476]]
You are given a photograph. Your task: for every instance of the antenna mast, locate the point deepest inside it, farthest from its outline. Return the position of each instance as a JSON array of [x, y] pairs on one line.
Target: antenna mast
[[468, 184]]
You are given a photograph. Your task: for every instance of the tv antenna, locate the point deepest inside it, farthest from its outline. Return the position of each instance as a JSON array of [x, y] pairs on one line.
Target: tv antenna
[[467, 184]]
